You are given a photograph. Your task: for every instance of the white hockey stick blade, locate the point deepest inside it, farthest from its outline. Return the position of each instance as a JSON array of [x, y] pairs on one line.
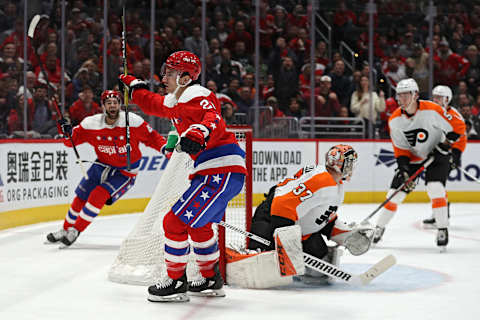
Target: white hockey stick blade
[[377, 269], [33, 25], [337, 273]]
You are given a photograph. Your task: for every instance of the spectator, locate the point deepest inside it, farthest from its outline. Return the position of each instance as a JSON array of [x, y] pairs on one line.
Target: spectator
[[407, 47], [344, 21], [9, 61], [321, 53], [240, 54], [44, 116], [326, 102], [273, 102], [239, 34], [449, 67], [16, 119], [473, 73], [193, 43], [390, 106], [472, 122], [301, 44], [462, 89], [395, 71], [294, 108], [244, 100], [269, 88], [417, 68], [340, 82], [31, 80], [228, 114], [476, 107], [280, 21], [84, 106], [51, 71], [360, 103], [232, 90], [286, 82], [279, 51], [215, 51]]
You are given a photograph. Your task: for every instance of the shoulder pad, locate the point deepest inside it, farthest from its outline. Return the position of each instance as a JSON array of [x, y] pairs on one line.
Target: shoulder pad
[[94, 122], [193, 92]]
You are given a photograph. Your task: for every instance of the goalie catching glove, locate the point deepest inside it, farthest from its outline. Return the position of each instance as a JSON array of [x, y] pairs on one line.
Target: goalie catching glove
[[194, 139], [131, 83], [356, 238]]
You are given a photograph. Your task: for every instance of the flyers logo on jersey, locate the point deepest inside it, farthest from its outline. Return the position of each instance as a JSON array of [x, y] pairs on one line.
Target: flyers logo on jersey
[[416, 135]]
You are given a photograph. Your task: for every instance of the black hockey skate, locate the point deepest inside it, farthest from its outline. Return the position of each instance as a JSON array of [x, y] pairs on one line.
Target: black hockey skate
[[379, 231], [70, 236], [208, 287], [429, 223], [442, 238], [169, 290], [54, 237]]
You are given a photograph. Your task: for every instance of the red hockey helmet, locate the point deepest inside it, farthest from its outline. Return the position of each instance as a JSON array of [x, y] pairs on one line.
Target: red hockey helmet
[[185, 61], [111, 94], [342, 159]]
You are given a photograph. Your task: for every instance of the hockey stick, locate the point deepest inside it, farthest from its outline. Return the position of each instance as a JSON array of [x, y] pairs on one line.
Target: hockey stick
[[327, 268], [31, 33], [125, 90], [425, 164], [468, 174]]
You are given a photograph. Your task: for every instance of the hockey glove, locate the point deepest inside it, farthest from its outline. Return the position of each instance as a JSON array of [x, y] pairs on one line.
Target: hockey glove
[[452, 137], [455, 158], [131, 83], [194, 139], [402, 175], [65, 127], [172, 140]]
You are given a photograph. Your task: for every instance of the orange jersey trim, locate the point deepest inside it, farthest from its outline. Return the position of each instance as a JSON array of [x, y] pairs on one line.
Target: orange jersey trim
[[286, 205]]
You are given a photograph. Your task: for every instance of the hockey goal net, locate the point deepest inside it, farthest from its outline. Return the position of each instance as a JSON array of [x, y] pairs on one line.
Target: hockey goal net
[[140, 260]]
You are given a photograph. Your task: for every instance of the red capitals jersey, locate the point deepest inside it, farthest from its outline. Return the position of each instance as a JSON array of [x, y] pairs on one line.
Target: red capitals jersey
[[198, 105], [109, 140]]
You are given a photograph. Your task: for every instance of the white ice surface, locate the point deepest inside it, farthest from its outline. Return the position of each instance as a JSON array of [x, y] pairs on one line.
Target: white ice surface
[[39, 281]]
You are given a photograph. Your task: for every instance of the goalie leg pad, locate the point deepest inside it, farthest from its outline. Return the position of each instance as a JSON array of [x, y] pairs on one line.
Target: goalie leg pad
[[289, 250], [257, 271]]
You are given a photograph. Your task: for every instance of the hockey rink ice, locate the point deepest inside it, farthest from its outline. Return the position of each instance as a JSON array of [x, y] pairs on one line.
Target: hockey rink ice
[[39, 281]]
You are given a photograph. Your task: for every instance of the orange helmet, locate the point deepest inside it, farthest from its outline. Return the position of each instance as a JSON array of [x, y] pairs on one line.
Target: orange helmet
[[342, 159]]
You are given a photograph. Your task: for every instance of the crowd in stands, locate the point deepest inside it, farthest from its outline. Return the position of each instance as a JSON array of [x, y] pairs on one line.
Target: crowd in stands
[[400, 46]]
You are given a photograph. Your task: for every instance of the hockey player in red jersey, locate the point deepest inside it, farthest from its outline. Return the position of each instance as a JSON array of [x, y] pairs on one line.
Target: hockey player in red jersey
[[108, 178], [442, 95], [420, 129], [218, 174]]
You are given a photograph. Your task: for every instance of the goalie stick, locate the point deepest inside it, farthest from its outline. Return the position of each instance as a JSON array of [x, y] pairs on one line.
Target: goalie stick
[[327, 268], [425, 164], [31, 33]]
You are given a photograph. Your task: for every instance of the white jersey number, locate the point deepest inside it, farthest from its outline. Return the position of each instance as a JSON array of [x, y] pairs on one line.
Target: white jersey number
[[206, 104], [301, 189]]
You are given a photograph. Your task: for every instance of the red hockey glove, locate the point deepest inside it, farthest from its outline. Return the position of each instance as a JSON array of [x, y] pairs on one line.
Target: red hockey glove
[[131, 83], [193, 140]]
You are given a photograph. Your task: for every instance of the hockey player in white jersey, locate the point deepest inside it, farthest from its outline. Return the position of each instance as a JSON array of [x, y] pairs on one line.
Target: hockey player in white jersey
[[310, 199], [420, 129], [442, 95]]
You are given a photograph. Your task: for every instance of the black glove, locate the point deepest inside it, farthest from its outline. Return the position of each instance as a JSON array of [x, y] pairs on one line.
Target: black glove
[[455, 158], [65, 126], [194, 139], [402, 175], [452, 137]]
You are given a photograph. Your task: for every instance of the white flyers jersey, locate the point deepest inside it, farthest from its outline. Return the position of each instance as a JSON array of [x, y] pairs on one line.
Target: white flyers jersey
[[310, 198], [416, 136]]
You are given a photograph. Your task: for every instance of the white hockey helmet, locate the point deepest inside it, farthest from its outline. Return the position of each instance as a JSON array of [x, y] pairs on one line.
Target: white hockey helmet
[[443, 91], [341, 158], [407, 85]]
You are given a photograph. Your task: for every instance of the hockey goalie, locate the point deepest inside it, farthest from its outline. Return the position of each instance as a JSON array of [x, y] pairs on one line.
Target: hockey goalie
[[297, 217]]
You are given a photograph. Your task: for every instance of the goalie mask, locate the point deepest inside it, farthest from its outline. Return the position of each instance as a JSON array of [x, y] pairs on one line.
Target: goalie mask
[[341, 158]]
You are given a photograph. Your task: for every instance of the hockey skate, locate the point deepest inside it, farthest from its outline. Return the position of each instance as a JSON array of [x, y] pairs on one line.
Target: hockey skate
[[429, 223], [442, 239], [208, 287], [54, 237], [70, 236], [169, 290], [379, 231]]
